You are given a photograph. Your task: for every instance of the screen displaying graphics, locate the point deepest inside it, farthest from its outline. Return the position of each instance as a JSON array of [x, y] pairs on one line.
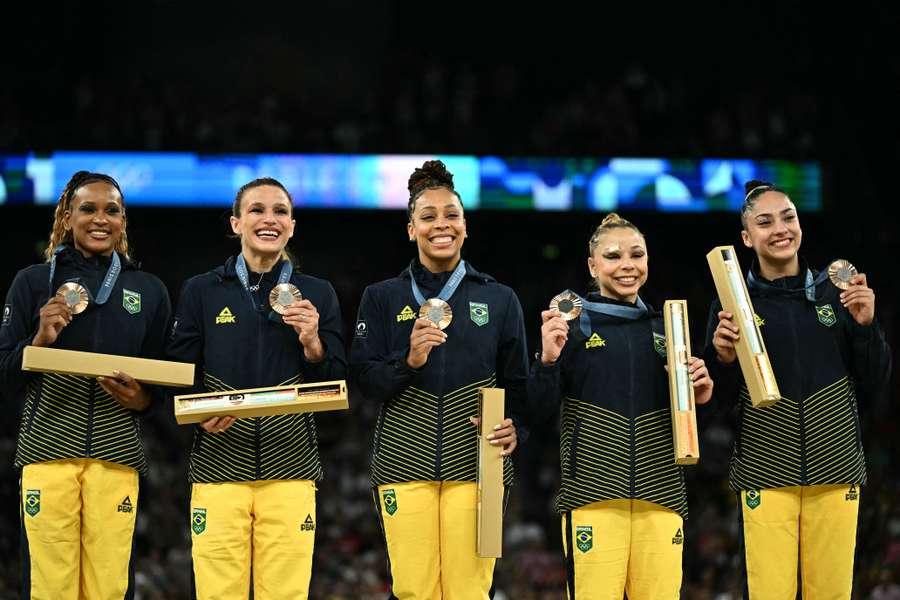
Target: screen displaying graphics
[[379, 181]]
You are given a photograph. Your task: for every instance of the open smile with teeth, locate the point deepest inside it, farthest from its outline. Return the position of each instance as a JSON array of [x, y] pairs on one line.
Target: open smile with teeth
[[267, 234], [98, 234], [442, 240], [629, 280], [784, 243]]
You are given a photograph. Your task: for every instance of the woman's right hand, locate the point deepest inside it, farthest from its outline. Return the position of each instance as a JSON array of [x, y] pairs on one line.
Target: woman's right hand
[[724, 338], [55, 315], [554, 334], [218, 424], [425, 336]]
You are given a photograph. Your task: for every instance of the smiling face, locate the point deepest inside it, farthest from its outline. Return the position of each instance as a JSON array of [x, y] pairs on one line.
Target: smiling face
[[773, 230], [619, 264], [265, 224], [96, 218], [438, 228]]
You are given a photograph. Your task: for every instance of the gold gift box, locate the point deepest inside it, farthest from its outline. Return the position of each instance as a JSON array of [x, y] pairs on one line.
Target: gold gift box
[[681, 389], [92, 364], [262, 402], [489, 514], [750, 347]]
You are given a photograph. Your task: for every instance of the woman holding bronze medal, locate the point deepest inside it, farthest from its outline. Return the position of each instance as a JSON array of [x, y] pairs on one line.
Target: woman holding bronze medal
[[798, 465], [622, 498], [79, 447], [425, 342], [256, 322]]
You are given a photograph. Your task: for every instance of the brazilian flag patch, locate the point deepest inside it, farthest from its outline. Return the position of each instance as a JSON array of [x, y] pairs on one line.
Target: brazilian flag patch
[[478, 312], [198, 520], [33, 502], [826, 315], [131, 301], [753, 498], [659, 344], [390, 501], [584, 537]]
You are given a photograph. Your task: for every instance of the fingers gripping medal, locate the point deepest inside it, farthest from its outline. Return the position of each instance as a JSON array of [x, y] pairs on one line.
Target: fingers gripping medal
[[841, 272], [283, 296], [437, 311], [567, 304], [75, 296]]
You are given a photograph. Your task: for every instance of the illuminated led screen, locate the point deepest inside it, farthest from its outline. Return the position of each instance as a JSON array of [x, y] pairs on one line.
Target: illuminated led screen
[[379, 181]]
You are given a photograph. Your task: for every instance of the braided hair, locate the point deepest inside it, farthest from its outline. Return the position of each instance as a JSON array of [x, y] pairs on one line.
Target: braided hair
[[59, 234]]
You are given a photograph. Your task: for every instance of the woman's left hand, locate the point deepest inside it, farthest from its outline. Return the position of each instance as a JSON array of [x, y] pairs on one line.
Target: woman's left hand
[[125, 390], [703, 384], [859, 300], [304, 318], [503, 434]]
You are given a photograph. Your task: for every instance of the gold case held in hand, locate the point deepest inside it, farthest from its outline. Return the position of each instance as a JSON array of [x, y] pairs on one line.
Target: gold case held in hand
[[750, 348], [437, 311], [262, 402], [681, 388], [91, 364], [489, 513]]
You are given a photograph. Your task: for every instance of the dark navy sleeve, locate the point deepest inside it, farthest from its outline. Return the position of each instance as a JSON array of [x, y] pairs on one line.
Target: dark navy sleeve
[[870, 358], [17, 329], [726, 377], [544, 391], [512, 364], [380, 373], [333, 364], [155, 341], [185, 342]]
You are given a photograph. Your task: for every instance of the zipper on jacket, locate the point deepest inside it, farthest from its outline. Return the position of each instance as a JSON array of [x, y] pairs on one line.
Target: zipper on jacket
[[257, 450], [632, 425], [573, 451], [802, 416], [440, 415], [90, 424]]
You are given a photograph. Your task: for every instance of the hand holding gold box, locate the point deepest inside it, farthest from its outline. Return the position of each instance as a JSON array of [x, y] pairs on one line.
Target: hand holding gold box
[[262, 402], [750, 348], [92, 364], [681, 388], [489, 514]]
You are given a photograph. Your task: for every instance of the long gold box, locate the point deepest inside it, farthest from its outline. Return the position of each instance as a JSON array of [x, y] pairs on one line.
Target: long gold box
[[92, 364], [489, 519], [681, 389], [262, 402], [750, 347]]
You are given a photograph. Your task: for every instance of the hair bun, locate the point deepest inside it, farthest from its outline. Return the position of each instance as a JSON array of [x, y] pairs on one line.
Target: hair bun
[[755, 183], [612, 219], [433, 173]]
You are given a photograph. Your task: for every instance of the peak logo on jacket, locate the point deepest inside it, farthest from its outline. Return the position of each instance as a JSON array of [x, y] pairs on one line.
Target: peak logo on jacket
[[225, 317], [595, 341], [407, 314]]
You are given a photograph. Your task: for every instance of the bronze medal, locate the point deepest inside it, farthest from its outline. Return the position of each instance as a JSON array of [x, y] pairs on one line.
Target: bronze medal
[[75, 296], [437, 311], [283, 296], [841, 272], [567, 304]]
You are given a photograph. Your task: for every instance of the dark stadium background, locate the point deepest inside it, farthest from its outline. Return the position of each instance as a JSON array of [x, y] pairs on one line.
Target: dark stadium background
[[795, 81]]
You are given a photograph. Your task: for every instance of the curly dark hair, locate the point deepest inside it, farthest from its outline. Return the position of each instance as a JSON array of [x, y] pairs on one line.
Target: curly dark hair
[[433, 174]]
